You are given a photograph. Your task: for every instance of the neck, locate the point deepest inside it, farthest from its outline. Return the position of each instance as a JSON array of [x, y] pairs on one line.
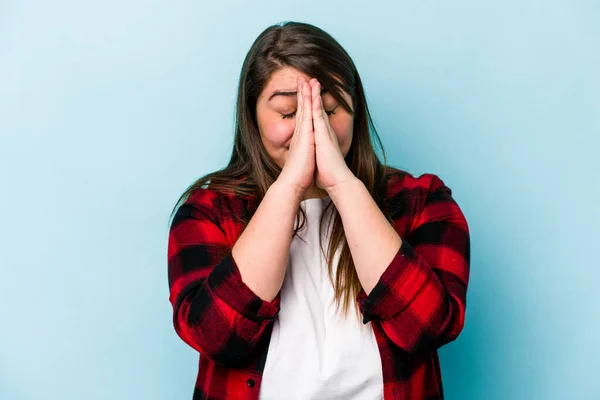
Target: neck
[[314, 192]]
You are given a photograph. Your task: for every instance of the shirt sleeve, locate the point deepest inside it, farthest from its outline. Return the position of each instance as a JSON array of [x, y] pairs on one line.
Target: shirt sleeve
[[420, 299], [214, 311]]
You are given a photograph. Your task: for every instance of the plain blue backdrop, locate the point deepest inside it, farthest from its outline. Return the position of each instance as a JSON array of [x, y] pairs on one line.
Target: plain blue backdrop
[[109, 109]]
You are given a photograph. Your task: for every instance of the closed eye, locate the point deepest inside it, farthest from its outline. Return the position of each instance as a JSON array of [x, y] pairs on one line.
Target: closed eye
[[287, 116]]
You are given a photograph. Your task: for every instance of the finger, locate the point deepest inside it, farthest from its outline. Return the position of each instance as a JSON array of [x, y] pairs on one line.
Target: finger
[[299, 103], [316, 98], [307, 123], [318, 113]]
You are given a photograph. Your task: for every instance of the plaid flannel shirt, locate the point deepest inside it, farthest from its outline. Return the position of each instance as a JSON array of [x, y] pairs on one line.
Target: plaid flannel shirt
[[417, 306]]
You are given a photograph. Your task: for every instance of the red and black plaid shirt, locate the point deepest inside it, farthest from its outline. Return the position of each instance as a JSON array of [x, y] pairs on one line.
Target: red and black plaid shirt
[[417, 306]]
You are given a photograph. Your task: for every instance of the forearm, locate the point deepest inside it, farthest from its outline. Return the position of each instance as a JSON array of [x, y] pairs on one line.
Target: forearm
[[372, 240], [262, 250], [420, 297], [206, 325]]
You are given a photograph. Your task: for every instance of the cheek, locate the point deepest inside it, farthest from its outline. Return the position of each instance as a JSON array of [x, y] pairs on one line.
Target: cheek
[[278, 132], [343, 130]]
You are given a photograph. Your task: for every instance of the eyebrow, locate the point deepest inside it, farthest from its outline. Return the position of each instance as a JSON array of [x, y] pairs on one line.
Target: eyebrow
[[290, 93]]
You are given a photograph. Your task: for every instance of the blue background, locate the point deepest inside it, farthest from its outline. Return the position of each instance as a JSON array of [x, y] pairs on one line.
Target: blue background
[[109, 109]]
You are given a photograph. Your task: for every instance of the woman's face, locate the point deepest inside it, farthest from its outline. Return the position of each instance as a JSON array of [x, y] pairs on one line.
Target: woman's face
[[278, 100]]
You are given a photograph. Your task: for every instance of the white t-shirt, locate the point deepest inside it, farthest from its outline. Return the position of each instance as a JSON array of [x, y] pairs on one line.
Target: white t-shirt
[[314, 353]]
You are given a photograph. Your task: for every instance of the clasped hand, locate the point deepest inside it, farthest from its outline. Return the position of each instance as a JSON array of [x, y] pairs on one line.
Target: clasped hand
[[330, 167]]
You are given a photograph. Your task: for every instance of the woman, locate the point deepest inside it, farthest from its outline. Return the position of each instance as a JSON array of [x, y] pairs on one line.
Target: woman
[[304, 222]]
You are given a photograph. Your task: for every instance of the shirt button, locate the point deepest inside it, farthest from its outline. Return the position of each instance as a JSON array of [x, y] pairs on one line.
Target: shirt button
[[250, 382]]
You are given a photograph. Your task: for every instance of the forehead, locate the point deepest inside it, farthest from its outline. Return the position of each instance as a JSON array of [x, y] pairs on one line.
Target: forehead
[[284, 80]]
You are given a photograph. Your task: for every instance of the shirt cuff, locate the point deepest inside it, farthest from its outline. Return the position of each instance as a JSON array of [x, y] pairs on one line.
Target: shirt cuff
[[225, 281], [381, 303]]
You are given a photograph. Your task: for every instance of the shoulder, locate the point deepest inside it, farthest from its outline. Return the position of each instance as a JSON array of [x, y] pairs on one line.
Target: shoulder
[[222, 205], [216, 203], [214, 193], [407, 194], [201, 205], [404, 183], [222, 210], [204, 198]]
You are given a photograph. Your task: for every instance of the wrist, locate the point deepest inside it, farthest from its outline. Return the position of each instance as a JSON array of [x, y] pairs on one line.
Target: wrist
[[293, 192], [346, 186]]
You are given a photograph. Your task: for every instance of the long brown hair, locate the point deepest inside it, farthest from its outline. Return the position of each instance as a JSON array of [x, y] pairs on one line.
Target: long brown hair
[[251, 171]]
